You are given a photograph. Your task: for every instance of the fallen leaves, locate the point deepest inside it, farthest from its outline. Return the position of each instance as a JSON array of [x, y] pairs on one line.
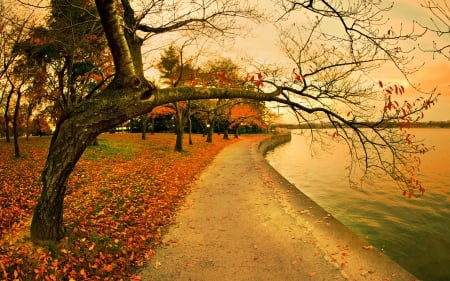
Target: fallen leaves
[[120, 197], [157, 265], [366, 272]]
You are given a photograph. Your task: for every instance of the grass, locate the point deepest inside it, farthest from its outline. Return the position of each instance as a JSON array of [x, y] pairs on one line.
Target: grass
[[107, 148]]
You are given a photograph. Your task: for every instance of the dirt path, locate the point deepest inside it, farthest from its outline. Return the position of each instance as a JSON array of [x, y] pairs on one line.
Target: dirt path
[[244, 222]]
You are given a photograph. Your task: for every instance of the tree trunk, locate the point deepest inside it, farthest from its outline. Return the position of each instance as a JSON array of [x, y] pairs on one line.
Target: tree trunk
[[6, 115], [225, 130], [179, 140], [209, 131], [74, 131], [67, 145], [16, 126], [225, 134], [144, 126], [27, 122], [178, 128], [236, 132], [190, 130], [189, 121], [152, 129]]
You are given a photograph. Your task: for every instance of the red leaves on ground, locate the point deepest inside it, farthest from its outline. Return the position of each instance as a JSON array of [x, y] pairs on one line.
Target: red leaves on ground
[[120, 197]]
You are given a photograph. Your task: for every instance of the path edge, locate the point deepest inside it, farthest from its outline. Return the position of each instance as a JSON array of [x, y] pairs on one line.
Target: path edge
[[372, 264]]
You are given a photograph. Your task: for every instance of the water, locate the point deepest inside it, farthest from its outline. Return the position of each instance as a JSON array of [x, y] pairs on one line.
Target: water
[[413, 232]]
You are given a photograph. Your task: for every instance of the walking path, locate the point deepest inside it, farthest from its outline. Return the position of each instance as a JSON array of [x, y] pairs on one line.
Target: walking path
[[243, 221]]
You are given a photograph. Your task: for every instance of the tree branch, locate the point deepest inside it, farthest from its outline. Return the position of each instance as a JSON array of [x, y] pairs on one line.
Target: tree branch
[[120, 51]]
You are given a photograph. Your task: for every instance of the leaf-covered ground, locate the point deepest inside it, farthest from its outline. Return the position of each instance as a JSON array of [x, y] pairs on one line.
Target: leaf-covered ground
[[120, 197]]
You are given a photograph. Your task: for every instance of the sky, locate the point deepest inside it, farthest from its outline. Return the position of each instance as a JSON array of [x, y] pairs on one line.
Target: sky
[[261, 44]]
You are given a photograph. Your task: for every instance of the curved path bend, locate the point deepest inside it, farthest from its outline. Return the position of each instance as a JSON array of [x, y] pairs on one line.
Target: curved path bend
[[243, 221]]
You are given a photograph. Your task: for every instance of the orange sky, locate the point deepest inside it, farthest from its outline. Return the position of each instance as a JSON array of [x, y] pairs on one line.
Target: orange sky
[[262, 41]]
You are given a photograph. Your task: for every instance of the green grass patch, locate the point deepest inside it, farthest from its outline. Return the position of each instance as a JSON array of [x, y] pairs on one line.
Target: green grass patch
[[109, 149]]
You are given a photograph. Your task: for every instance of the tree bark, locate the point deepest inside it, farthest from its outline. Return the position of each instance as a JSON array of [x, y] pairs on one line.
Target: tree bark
[[152, 129], [75, 130], [27, 117], [179, 140], [16, 126], [225, 133], [189, 123], [144, 126], [209, 133], [178, 128], [6, 115]]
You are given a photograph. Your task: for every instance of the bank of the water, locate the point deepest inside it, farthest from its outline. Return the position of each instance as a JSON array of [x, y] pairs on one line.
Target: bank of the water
[[341, 245], [413, 232], [272, 142]]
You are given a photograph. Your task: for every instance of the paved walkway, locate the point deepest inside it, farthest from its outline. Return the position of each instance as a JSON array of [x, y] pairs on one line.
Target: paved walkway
[[243, 221]]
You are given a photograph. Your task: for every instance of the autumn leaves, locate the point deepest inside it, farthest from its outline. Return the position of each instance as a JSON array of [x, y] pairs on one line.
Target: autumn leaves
[[120, 196]]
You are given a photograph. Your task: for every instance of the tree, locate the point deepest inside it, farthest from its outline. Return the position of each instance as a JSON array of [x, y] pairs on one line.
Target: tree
[[246, 114], [14, 72], [69, 53], [160, 111], [218, 73], [176, 72], [317, 81], [17, 89], [13, 29]]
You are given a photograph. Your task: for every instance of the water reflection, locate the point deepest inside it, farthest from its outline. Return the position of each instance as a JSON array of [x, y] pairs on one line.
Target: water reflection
[[415, 232]]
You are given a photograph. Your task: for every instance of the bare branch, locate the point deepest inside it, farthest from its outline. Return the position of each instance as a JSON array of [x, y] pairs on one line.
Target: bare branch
[[199, 17], [440, 26]]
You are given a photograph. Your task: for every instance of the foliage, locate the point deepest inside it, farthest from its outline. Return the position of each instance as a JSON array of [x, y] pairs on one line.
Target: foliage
[[246, 114], [71, 50], [117, 206]]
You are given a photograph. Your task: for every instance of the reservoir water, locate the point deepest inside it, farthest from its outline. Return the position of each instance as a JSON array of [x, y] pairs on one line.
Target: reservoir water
[[414, 232]]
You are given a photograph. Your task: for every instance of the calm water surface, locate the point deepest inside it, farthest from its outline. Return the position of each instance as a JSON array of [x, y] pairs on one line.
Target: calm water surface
[[414, 232]]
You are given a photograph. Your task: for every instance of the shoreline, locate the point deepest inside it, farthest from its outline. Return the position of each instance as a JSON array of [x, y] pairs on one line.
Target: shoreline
[[244, 221], [329, 230]]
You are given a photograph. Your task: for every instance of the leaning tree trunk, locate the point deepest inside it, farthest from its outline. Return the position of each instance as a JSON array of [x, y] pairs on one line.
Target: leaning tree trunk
[[78, 127], [67, 146]]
